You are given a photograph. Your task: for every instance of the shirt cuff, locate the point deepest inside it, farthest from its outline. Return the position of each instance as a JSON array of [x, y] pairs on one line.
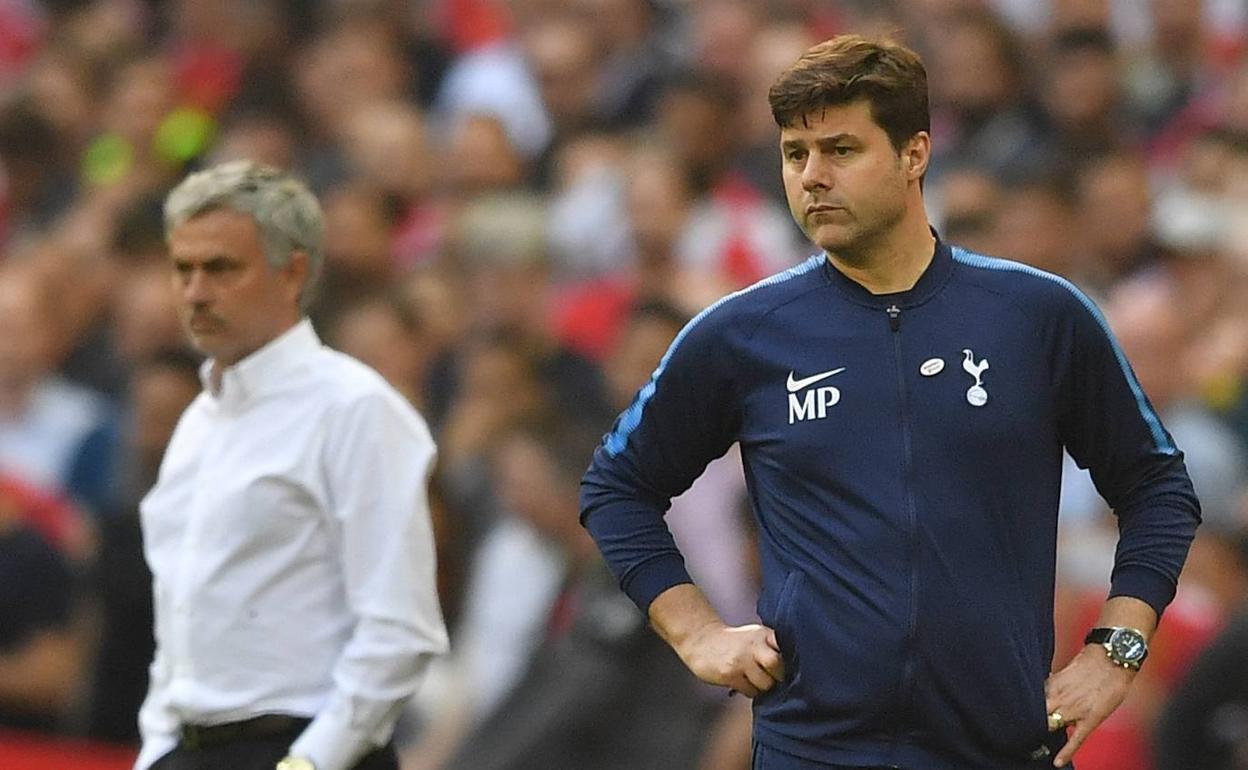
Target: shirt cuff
[[653, 577], [153, 749], [1147, 585], [338, 737]]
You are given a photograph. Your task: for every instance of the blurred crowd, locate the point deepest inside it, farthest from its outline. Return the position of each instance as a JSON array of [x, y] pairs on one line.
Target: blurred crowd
[[525, 201]]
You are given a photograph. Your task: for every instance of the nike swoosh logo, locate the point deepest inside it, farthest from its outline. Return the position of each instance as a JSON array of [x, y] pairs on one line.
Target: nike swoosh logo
[[796, 385]]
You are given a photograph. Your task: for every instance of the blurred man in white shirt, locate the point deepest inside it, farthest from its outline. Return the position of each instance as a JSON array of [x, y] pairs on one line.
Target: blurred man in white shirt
[[288, 532]]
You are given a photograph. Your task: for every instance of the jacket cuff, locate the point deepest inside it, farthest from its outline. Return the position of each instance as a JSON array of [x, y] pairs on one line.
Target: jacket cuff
[[1147, 585], [653, 577]]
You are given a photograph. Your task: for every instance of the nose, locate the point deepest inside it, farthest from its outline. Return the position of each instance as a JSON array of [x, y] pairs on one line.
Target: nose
[[816, 174], [195, 288]]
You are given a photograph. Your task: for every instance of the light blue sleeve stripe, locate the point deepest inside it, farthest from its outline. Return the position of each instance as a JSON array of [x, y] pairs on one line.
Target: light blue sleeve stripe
[[631, 418], [1160, 438]]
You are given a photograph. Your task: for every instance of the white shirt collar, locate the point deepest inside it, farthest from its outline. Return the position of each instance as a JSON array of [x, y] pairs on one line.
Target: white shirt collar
[[263, 369]]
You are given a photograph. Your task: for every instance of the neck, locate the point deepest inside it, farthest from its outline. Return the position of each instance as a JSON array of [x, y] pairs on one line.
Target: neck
[[224, 361], [895, 260]]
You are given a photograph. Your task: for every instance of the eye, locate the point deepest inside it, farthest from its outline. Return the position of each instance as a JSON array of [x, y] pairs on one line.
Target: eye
[[842, 150], [220, 266], [796, 155]]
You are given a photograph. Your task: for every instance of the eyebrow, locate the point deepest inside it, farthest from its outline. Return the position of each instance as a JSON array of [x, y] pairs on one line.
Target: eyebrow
[[823, 140], [215, 261]]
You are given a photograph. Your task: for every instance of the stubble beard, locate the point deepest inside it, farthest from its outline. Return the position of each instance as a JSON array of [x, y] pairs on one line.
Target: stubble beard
[[858, 240]]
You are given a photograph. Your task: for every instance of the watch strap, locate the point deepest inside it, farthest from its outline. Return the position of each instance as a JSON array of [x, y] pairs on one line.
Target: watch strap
[[1104, 634], [1099, 635]]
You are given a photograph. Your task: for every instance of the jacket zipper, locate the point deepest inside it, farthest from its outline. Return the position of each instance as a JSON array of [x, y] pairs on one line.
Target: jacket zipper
[[907, 678]]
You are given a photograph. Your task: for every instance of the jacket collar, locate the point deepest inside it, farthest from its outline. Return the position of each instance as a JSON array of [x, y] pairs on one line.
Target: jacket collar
[[929, 283]]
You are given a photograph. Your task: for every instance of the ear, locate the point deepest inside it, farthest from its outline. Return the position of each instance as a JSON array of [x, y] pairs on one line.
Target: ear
[[916, 154], [295, 275]]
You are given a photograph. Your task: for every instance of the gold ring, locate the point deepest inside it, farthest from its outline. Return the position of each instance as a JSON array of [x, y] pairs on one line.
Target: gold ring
[[1056, 721]]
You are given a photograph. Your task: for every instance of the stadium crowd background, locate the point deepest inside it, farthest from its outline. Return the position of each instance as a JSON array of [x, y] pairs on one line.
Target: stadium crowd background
[[525, 200]]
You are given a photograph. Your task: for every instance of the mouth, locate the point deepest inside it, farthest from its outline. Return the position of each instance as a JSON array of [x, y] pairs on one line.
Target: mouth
[[202, 325], [822, 208]]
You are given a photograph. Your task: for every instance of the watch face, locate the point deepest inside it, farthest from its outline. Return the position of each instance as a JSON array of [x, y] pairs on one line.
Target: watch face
[[1127, 645]]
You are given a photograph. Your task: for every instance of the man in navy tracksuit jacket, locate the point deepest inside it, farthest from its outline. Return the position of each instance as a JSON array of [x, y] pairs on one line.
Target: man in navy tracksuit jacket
[[901, 407]]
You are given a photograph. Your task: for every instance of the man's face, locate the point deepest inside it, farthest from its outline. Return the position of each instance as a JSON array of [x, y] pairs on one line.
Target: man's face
[[25, 341], [845, 183], [230, 301], [1116, 190]]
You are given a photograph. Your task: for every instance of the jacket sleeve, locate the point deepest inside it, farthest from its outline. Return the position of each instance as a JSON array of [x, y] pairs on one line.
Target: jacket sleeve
[[683, 418], [1110, 428]]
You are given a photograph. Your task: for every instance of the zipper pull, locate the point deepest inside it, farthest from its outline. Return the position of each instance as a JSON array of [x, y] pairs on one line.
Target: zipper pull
[[894, 317]]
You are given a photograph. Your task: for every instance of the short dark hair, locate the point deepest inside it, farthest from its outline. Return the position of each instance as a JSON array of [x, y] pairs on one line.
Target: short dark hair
[[658, 310], [890, 76], [26, 135], [718, 91], [139, 230], [568, 444], [1083, 39]]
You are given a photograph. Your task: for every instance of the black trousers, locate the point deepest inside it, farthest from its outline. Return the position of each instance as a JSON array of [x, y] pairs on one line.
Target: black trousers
[[258, 754]]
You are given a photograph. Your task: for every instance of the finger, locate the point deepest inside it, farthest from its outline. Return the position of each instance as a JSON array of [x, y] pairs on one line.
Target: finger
[[1056, 695], [1076, 738], [1055, 686], [771, 662], [1057, 720], [746, 688], [759, 678], [772, 642]]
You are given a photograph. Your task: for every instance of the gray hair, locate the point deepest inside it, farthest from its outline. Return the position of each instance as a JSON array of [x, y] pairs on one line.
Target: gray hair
[[284, 209]]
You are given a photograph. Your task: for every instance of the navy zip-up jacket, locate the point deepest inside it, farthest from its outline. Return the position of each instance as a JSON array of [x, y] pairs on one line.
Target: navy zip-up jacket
[[903, 456]]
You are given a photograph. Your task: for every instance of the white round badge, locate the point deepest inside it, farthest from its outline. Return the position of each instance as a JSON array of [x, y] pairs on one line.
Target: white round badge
[[932, 367], [976, 396]]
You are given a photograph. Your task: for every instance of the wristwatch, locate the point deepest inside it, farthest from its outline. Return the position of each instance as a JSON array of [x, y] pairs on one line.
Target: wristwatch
[[1126, 647], [295, 763]]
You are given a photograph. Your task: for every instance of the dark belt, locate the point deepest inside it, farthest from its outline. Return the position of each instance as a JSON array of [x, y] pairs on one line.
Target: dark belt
[[195, 737]]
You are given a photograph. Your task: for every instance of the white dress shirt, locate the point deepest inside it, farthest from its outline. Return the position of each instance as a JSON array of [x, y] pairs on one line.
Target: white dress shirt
[[293, 559]]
